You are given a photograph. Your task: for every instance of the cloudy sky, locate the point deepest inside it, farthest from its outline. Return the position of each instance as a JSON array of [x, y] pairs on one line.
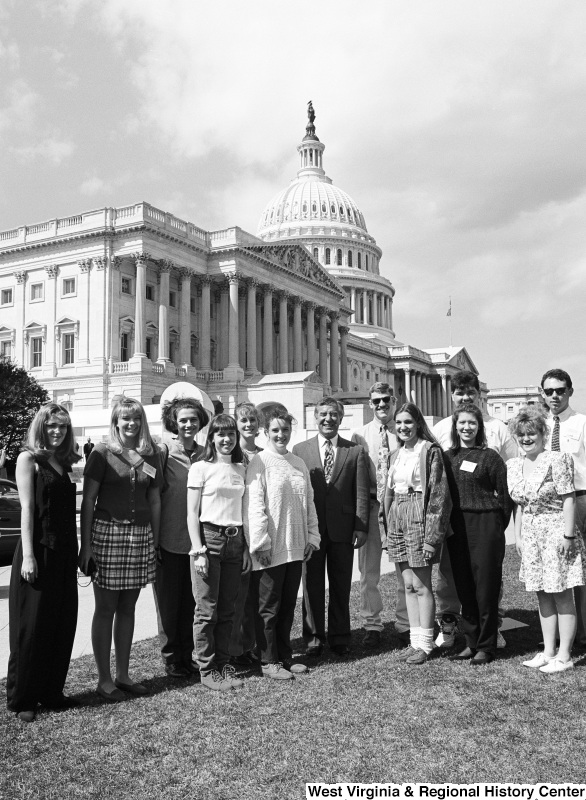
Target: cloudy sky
[[457, 127]]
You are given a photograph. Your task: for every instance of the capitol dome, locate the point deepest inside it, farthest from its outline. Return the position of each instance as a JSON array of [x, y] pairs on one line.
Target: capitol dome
[[324, 218]]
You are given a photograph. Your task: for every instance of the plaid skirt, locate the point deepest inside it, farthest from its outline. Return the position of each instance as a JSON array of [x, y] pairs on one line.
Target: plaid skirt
[[124, 554]]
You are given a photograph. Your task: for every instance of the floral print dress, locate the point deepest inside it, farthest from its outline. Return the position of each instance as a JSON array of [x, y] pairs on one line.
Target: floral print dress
[[543, 567]]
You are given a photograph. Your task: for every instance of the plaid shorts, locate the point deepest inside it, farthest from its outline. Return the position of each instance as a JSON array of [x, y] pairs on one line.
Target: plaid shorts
[[406, 534], [124, 554]]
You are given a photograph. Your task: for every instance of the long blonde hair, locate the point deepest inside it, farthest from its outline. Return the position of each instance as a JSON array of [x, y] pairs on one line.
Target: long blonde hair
[[35, 441], [130, 405]]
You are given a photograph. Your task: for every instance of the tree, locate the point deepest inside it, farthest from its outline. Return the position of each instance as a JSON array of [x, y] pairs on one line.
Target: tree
[[20, 399]]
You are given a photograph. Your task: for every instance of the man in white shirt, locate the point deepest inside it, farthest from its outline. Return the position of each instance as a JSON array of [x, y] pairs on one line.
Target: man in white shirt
[[465, 389], [568, 435], [379, 442]]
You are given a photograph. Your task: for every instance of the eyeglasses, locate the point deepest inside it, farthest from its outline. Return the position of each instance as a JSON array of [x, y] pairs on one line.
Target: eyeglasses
[[376, 400], [559, 390]]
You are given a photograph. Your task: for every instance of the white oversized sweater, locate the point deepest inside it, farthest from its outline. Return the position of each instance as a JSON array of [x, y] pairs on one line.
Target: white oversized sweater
[[279, 513]]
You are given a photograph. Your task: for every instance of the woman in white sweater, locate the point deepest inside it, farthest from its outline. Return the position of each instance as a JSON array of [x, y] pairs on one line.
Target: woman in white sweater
[[281, 528]]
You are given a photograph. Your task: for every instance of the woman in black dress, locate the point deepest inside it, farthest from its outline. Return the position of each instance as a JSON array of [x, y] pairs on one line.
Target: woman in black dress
[[43, 585]]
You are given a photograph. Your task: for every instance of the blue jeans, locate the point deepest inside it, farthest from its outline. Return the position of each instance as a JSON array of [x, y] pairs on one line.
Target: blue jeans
[[215, 596]]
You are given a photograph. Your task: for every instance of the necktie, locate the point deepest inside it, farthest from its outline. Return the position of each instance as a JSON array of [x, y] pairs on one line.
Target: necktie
[[328, 461], [382, 467], [555, 436]]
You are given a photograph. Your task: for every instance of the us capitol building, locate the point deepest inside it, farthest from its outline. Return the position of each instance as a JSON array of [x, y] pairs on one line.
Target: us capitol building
[[132, 299]]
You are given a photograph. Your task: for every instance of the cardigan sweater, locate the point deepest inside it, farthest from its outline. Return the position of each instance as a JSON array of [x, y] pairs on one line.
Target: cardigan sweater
[[437, 501]]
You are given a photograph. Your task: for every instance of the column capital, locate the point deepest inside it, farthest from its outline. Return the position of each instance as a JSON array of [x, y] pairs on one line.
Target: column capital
[[334, 315], [184, 273], [115, 262], [52, 270], [252, 282], [309, 304], [282, 294], [344, 331], [100, 262], [233, 277], [166, 266], [297, 301], [85, 265], [205, 279], [140, 257], [20, 276], [268, 289]]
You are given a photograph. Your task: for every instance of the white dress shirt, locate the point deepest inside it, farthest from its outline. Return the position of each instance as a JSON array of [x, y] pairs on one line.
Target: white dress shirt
[[322, 441], [572, 440]]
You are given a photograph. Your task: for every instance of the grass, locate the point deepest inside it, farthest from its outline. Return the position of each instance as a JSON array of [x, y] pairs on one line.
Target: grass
[[370, 719]]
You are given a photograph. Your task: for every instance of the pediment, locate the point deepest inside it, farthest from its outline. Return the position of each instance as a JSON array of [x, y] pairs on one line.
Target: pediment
[[34, 325], [295, 258], [66, 321]]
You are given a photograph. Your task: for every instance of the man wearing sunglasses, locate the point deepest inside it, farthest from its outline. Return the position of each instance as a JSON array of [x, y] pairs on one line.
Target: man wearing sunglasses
[[568, 435], [465, 389], [378, 440]]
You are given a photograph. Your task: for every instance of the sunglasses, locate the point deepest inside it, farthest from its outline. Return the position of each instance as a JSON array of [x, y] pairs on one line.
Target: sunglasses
[[376, 401], [559, 390]]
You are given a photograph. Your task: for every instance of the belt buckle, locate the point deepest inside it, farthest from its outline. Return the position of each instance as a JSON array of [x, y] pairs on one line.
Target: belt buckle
[[231, 531]]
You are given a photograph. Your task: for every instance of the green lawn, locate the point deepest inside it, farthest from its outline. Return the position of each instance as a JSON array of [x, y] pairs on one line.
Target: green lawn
[[369, 719]]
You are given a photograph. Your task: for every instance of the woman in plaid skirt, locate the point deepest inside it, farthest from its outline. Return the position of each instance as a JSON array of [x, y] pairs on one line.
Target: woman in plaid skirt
[[120, 534]]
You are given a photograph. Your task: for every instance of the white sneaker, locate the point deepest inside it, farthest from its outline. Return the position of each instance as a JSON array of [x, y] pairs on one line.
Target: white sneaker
[[501, 642], [446, 638], [555, 665], [538, 661]]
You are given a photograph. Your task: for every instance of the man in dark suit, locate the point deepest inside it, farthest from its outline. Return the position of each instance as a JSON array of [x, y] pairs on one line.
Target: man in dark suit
[[340, 481], [87, 448]]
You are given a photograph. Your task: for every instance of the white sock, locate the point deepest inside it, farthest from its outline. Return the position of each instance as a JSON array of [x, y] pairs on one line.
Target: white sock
[[415, 638], [426, 639]]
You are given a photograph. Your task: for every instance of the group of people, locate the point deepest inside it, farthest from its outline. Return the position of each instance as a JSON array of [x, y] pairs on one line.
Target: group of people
[[227, 533]]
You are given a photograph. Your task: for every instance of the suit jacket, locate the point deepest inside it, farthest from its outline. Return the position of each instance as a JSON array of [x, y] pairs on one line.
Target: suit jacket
[[343, 505]]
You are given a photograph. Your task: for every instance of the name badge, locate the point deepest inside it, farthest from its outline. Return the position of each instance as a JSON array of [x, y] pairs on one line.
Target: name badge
[[76, 474], [236, 480], [468, 466], [148, 470]]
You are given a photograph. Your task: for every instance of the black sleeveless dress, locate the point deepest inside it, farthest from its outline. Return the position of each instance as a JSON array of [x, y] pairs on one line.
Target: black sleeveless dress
[[43, 614]]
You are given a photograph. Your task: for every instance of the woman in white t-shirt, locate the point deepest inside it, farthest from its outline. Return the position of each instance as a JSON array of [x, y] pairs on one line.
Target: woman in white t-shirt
[[417, 507], [215, 488]]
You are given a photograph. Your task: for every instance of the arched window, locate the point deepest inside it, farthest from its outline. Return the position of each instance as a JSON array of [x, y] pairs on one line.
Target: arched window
[[349, 258], [341, 211], [359, 260], [339, 257], [314, 207], [327, 255], [324, 208], [304, 208], [366, 260], [333, 208], [315, 253]]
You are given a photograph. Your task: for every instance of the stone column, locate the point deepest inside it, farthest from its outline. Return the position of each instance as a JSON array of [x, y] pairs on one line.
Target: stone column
[[49, 359], [311, 347], [83, 354], [233, 320], [444, 395], [408, 395], [140, 260], [297, 337], [323, 346], [353, 301], [344, 358], [429, 396], [258, 317], [206, 329], [242, 293], [283, 334], [223, 329], [20, 304], [251, 328], [420, 390], [164, 273], [449, 404], [334, 353], [267, 355], [184, 319]]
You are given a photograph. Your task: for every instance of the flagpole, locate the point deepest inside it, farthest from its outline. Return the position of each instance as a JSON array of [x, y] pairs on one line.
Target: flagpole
[[449, 314]]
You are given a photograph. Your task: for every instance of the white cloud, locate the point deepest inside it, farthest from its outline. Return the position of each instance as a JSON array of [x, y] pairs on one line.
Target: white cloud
[[51, 149]]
